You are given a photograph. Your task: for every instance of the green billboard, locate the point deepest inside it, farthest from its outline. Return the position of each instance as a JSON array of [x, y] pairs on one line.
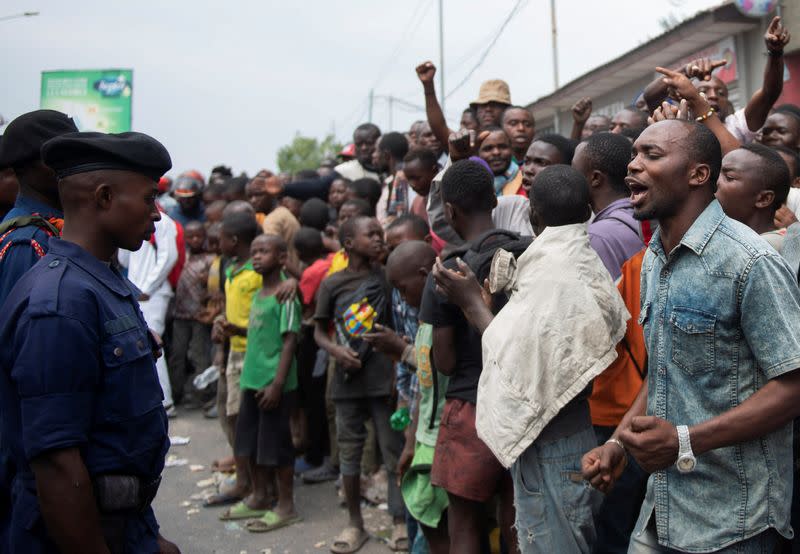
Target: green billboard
[[98, 100]]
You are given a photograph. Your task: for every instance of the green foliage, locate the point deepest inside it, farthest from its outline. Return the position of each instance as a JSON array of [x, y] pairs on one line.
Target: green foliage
[[306, 153]]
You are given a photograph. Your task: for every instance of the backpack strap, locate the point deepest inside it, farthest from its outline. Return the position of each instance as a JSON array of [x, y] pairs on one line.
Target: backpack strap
[[25, 220]]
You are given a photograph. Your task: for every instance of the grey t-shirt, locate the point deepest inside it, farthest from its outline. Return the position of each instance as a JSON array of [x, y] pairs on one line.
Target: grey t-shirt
[[375, 377]]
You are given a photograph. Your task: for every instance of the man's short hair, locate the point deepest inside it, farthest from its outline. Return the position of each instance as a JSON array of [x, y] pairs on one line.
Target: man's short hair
[[425, 156], [308, 242], [509, 108], [560, 195], [794, 172], [315, 213], [789, 109], [367, 189], [773, 172], [305, 174], [236, 185], [610, 154], [703, 147], [348, 228], [369, 127], [418, 225], [565, 146], [469, 186], [362, 206], [222, 170], [241, 225], [396, 144]]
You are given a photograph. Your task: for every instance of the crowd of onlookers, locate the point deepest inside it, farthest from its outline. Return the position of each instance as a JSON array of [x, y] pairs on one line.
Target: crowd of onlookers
[[586, 342]]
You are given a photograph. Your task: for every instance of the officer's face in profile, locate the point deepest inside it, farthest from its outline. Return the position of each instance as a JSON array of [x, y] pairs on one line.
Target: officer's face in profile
[[131, 209]]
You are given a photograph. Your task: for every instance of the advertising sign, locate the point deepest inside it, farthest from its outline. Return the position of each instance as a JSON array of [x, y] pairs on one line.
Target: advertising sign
[[97, 99]]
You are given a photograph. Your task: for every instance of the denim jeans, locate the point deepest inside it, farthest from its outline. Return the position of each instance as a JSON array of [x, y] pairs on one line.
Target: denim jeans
[[647, 543], [555, 506]]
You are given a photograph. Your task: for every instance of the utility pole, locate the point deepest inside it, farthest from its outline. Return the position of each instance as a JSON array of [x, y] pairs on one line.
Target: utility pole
[[371, 99], [441, 55], [555, 42]]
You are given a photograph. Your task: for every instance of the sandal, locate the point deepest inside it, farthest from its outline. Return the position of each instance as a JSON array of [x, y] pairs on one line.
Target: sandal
[[399, 540], [349, 540], [241, 510], [271, 521], [220, 499]]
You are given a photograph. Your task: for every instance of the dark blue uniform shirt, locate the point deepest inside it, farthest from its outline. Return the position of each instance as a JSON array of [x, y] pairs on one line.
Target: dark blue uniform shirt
[[17, 251], [77, 371]]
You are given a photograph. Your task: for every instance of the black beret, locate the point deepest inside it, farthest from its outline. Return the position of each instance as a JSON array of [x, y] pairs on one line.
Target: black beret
[[83, 152], [24, 137]]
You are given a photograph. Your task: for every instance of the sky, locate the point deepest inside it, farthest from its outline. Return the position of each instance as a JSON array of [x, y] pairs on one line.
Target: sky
[[233, 82]]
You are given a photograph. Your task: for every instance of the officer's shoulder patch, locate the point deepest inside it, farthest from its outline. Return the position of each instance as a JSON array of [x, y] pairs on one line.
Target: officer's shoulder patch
[[45, 291]]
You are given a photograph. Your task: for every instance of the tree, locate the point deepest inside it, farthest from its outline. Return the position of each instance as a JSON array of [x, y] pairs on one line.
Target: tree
[[306, 153]]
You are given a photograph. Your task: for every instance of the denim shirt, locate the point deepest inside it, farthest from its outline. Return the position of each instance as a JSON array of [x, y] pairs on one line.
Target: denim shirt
[[721, 317]]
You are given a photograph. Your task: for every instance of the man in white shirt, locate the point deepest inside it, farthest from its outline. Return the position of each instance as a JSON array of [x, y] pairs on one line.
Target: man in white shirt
[[148, 269]]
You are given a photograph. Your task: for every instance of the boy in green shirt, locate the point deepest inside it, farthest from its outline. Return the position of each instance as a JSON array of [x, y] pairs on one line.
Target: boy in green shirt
[[268, 384]]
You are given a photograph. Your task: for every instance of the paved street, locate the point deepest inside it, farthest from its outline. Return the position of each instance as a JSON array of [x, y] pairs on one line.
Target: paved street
[[198, 530]]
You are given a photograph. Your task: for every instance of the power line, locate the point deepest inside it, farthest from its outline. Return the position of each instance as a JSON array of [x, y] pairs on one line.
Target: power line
[[411, 27], [517, 7]]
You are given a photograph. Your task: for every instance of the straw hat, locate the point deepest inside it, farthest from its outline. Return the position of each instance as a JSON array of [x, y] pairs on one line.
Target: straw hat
[[493, 90]]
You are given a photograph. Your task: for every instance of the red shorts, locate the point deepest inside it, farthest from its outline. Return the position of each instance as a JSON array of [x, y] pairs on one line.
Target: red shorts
[[462, 464]]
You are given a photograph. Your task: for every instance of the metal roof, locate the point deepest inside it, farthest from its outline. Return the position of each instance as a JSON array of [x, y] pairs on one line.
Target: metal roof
[[705, 28]]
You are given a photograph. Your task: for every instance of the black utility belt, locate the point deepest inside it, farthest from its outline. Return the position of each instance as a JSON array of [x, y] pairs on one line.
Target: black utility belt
[[117, 494]]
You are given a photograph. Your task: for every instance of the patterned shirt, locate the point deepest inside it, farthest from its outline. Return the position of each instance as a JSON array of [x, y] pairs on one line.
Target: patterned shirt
[[406, 322], [192, 289]]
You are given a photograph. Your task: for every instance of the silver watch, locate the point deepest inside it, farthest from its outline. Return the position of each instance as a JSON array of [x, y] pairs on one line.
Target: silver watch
[[686, 460]]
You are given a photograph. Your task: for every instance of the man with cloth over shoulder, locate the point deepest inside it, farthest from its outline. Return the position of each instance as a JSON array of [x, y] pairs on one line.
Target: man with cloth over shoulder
[[86, 427]]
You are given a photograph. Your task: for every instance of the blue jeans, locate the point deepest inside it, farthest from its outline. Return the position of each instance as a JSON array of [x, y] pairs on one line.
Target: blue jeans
[[555, 506], [647, 543]]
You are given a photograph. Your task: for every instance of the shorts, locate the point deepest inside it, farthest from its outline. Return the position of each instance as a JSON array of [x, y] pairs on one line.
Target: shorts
[[233, 373], [351, 432], [462, 464], [425, 502], [265, 435]]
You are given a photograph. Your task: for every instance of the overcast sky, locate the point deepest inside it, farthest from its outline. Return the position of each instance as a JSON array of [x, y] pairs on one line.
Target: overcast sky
[[234, 82]]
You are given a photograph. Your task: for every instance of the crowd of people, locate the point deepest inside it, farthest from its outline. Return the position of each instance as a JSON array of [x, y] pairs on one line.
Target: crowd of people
[[527, 342]]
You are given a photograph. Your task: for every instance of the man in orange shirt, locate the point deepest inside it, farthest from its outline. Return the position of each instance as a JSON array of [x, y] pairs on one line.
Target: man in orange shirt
[[613, 393]]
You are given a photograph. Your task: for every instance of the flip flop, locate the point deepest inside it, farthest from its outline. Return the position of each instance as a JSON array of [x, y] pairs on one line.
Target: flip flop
[[220, 499], [241, 510], [349, 540], [271, 521]]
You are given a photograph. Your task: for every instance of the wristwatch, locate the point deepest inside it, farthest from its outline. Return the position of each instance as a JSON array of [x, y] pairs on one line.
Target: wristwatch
[[686, 460]]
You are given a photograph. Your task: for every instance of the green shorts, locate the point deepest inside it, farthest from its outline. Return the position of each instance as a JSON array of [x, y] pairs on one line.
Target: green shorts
[[425, 502]]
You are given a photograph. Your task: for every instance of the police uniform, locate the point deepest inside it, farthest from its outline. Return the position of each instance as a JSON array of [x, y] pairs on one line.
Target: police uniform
[[23, 245], [77, 370]]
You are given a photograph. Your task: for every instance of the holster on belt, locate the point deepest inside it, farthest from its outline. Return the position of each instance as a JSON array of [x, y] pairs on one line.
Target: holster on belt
[[121, 498]]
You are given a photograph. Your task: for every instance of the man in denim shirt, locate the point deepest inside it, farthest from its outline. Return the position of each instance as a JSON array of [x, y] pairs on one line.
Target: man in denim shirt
[[721, 317]]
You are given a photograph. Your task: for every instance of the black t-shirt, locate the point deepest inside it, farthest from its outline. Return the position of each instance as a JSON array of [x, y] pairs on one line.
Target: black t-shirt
[[376, 376], [437, 311]]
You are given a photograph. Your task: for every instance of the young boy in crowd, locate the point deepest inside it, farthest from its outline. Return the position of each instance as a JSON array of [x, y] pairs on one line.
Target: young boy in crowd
[[463, 465], [407, 268], [214, 212], [191, 337], [337, 194], [241, 283], [310, 370], [363, 379], [268, 390]]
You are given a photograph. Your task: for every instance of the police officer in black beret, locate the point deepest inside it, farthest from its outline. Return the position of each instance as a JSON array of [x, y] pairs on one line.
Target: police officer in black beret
[[81, 404], [36, 216]]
